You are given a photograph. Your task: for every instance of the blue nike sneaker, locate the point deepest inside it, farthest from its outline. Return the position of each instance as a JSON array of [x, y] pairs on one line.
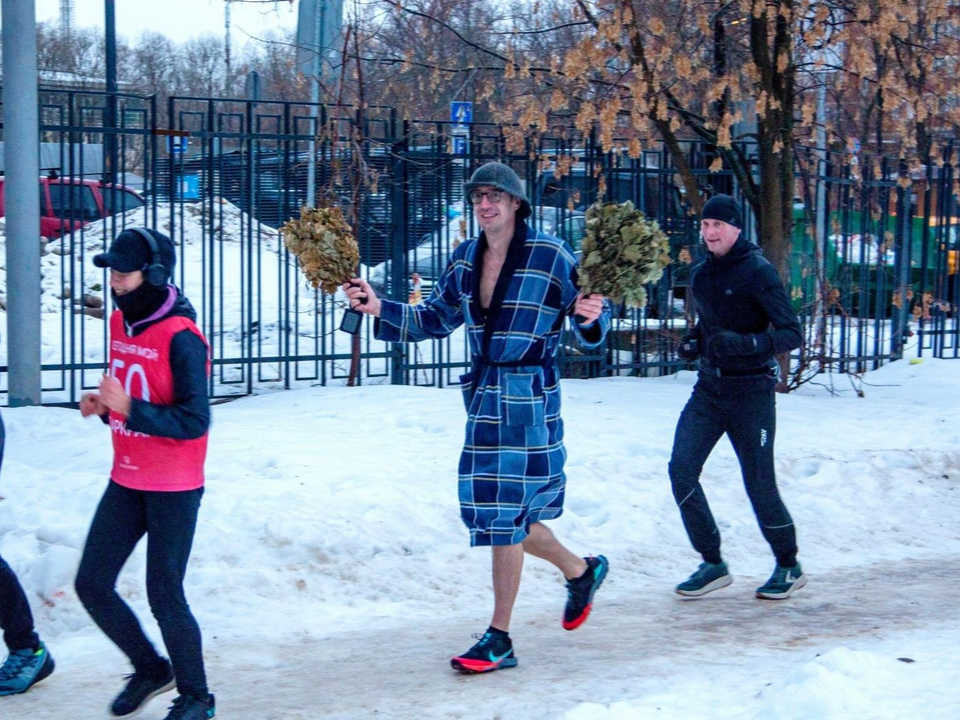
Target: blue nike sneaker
[[493, 651], [580, 592]]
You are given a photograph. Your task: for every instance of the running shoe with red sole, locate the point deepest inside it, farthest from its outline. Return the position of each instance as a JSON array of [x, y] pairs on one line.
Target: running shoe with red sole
[[580, 592], [493, 651]]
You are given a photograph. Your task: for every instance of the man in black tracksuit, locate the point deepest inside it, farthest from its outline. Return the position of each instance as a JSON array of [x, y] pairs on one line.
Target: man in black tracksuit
[[745, 318]]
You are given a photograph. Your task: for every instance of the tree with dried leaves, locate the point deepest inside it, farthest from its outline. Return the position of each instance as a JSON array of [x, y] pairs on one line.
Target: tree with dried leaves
[[741, 75]]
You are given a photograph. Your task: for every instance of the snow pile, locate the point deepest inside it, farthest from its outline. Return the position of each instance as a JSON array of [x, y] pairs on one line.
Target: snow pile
[[189, 223], [67, 261]]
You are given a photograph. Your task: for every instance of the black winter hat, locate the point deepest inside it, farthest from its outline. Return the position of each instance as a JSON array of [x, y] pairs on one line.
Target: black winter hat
[[723, 208], [502, 177], [130, 251]]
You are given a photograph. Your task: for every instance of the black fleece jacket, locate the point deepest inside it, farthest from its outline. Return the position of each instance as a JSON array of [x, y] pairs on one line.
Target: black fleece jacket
[[189, 417], [741, 292]]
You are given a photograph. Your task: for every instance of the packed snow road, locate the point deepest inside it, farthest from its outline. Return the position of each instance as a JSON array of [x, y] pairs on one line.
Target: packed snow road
[[331, 575]]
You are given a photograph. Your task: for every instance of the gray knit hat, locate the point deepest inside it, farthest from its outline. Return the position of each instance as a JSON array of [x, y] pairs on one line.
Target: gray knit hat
[[502, 177]]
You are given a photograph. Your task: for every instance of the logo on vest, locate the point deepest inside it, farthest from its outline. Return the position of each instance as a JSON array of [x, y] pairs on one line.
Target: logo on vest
[[120, 426], [126, 464], [136, 350]]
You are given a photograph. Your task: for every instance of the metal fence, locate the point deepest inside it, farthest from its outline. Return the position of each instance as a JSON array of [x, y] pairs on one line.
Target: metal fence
[[874, 264]]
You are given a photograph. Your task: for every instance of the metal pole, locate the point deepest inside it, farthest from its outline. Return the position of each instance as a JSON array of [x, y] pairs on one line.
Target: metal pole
[[318, 33], [821, 215], [900, 312], [110, 114], [226, 23], [22, 163], [110, 21]]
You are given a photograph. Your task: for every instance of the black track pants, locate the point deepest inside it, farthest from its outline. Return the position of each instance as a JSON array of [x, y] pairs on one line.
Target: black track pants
[[746, 412]]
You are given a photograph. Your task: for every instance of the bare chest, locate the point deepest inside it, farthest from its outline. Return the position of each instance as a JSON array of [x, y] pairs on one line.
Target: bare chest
[[490, 273]]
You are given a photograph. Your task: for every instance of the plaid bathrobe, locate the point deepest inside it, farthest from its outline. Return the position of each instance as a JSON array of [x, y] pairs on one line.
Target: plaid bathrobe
[[511, 468]]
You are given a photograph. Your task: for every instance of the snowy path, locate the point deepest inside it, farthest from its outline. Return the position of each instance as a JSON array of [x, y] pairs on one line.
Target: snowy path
[[640, 644], [332, 578]]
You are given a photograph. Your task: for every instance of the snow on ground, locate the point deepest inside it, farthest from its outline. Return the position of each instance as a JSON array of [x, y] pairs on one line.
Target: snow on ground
[[332, 577]]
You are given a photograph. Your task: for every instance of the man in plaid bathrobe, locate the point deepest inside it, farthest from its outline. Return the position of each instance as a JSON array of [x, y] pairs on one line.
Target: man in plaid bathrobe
[[512, 287]]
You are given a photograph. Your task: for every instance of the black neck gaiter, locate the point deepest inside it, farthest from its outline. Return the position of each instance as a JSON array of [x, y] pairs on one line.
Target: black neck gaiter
[[141, 303]]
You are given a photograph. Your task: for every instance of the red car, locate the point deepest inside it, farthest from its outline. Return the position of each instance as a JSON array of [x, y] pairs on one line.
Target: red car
[[69, 203]]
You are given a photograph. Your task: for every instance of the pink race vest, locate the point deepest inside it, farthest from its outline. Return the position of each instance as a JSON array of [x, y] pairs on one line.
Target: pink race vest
[[142, 365]]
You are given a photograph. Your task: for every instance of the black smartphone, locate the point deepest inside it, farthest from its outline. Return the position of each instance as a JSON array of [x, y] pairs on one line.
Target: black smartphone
[[352, 319]]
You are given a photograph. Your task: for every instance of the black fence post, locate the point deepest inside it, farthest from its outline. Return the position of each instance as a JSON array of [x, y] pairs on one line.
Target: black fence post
[[901, 308], [396, 282]]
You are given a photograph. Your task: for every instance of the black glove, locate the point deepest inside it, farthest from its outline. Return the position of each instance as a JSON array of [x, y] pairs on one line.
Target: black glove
[[726, 344], [689, 348]]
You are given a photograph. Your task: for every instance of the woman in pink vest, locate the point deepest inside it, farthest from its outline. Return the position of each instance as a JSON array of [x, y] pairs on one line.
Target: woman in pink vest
[[155, 401]]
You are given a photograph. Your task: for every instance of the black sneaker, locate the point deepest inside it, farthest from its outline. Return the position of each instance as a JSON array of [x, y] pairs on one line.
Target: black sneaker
[[580, 592], [139, 691], [494, 650], [187, 707]]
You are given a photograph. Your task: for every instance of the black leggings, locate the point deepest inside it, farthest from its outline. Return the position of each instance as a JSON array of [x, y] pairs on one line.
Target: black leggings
[[749, 418], [169, 520], [15, 617]]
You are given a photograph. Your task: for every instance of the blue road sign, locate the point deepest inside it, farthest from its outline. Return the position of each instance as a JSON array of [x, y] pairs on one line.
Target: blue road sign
[[188, 187], [460, 144], [461, 112]]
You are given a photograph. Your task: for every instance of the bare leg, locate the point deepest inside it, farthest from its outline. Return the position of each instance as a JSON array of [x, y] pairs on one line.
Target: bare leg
[[542, 543], [507, 567]]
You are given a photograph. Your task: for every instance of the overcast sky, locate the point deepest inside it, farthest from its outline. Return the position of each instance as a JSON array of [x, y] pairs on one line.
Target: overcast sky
[[179, 19]]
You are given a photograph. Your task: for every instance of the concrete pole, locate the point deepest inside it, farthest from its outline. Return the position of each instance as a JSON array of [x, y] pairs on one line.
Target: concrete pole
[[318, 33], [22, 163]]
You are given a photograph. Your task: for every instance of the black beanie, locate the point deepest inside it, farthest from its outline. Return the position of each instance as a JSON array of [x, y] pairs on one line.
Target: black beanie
[[723, 208]]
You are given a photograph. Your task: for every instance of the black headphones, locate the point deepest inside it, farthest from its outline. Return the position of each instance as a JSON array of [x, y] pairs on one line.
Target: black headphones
[[156, 273]]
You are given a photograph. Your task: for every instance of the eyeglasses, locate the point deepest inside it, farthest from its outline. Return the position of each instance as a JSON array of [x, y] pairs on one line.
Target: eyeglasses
[[494, 196]]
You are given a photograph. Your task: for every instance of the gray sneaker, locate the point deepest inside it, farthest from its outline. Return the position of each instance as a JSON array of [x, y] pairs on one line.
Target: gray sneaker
[[707, 578]]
